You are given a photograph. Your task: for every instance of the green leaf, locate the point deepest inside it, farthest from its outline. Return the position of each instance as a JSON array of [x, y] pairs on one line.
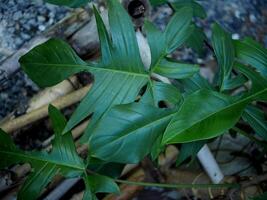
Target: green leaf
[[51, 62], [178, 29], [123, 39], [175, 34], [252, 53], [189, 150], [195, 83], [70, 3], [260, 197], [109, 169], [235, 82], [257, 120], [158, 49], [157, 148], [259, 83], [175, 70], [200, 116], [198, 10], [104, 184], [117, 81], [62, 160], [158, 91], [196, 40], [224, 51], [133, 129]]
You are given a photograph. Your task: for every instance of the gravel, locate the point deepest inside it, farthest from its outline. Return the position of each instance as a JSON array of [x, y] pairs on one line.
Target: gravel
[[240, 17], [21, 20]]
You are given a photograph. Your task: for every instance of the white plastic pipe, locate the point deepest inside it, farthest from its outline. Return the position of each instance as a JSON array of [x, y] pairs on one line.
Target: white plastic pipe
[[209, 164], [205, 156]]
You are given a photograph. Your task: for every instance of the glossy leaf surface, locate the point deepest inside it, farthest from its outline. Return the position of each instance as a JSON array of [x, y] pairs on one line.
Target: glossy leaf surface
[[208, 118], [132, 130]]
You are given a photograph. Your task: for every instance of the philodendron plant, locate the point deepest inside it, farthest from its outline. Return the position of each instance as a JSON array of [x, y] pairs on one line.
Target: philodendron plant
[[127, 122]]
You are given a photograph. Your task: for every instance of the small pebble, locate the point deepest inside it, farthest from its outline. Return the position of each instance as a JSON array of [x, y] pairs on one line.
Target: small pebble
[[235, 36], [41, 27]]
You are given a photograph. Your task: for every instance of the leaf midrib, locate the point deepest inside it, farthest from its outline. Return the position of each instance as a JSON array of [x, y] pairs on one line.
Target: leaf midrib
[[142, 127], [90, 68], [213, 113], [30, 157]]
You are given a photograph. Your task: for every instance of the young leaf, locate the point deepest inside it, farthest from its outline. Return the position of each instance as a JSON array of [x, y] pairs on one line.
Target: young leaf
[[252, 53], [257, 120], [133, 129], [70, 3], [224, 51], [175, 70]]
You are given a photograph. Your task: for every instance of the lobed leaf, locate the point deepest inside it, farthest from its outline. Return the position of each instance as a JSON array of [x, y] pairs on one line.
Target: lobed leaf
[[63, 160]]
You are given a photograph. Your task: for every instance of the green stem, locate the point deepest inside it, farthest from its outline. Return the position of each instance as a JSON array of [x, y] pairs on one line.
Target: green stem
[[180, 186]]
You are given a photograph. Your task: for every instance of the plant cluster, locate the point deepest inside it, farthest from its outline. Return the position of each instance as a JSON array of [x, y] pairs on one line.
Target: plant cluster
[[127, 122]]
